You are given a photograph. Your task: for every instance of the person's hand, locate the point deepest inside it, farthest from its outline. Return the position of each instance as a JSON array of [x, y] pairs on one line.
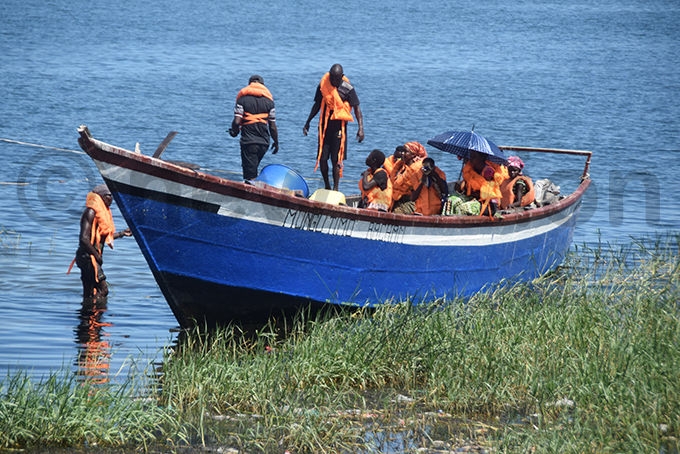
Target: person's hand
[[364, 173], [305, 129], [275, 147], [126, 232], [233, 133], [360, 135], [99, 259]]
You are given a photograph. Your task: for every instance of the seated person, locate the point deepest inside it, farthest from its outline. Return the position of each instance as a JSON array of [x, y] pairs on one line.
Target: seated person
[[418, 150], [392, 160], [402, 182], [517, 190], [483, 189], [431, 188], [375, 184]]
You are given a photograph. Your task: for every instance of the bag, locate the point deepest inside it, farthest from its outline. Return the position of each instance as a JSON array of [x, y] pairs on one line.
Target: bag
[[451, 202], [546, 192], [469, 208]]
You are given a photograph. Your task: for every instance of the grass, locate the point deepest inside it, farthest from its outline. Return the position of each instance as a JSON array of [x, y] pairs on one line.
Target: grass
[[9, 239], [585, 359]]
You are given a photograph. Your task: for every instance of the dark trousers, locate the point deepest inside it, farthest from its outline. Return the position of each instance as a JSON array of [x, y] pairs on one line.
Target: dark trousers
[[251, 155]]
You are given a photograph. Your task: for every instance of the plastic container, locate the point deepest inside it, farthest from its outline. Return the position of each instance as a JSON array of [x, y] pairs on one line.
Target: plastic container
[[283, 177], [328, 196]]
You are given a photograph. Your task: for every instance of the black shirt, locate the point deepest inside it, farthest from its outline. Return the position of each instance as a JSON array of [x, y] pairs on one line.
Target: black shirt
[[255, 133]]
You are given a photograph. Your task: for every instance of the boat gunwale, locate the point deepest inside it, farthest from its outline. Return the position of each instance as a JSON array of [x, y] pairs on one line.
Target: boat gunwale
[[118, 156]]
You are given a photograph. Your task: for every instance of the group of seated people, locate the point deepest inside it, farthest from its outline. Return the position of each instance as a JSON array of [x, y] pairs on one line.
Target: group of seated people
[[408, 182]]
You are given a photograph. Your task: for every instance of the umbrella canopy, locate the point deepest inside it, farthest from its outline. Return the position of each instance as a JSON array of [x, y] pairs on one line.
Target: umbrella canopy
[[461, 143]]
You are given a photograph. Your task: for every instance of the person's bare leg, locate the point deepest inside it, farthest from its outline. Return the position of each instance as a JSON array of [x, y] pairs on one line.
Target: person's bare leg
[[102, 289], [323, 166]]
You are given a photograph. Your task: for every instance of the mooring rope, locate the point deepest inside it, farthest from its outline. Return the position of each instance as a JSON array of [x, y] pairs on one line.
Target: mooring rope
[[82, 152], [41, 146]]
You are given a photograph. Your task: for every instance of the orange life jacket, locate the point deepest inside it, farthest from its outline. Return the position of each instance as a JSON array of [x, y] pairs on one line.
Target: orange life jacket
[[402, 180], [259, 90], [508, 197], [429, 200], [488, 190], [102, 227], [377, 195], [255, 89], [341, 111], [389, 164], [475, 182]]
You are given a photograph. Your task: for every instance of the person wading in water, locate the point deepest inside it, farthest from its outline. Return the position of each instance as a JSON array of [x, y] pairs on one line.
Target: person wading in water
[[96, 229]]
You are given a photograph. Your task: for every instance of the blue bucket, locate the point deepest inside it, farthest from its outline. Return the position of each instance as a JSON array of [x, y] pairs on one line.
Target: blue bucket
[[283, 177]]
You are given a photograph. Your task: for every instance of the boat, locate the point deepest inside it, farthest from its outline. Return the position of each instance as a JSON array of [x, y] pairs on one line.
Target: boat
[[226, 251]]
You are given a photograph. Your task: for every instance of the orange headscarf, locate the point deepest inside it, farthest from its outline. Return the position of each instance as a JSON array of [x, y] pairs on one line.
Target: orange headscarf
[[419, 152]]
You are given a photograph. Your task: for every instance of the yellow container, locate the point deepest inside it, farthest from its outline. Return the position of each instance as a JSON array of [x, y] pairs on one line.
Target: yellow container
[[328, 196]]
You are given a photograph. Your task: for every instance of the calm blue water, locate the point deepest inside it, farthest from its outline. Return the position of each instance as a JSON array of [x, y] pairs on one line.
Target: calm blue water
[[575, 75]]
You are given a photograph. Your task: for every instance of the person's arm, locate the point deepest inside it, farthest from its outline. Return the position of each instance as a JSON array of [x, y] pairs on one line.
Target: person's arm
[[86, 221], [275, 136], [315, 110], [416, 193], [360, 122], [122, 233], [519, 193], [235, 126], [316, 107], [367, 184], [443, 187]]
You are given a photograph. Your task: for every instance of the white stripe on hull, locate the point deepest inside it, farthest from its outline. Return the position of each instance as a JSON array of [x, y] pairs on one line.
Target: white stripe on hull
[[284, 217]]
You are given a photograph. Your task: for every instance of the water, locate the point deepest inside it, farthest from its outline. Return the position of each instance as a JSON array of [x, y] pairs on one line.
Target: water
[[576, 75]]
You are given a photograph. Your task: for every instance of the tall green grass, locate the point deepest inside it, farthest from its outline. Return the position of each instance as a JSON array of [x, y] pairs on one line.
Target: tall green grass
[[585, 359], [63, 411]]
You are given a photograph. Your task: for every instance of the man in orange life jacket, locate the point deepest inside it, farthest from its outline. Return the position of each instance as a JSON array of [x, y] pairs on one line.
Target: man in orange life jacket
[[96, 229], [337, 98], [254, 116]]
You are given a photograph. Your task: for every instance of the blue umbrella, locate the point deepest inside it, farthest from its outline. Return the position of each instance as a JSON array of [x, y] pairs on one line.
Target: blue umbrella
[[461, 143]]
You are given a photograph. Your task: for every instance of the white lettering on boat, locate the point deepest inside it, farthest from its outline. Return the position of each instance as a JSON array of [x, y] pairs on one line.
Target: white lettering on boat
[[385, 232], [319, 223]]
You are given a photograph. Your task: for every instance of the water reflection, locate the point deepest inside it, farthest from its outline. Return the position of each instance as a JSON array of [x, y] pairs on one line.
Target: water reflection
[[94, 347]]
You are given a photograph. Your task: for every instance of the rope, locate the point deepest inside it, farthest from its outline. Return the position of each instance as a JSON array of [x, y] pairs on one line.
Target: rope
[[41, 146], [82, 152]]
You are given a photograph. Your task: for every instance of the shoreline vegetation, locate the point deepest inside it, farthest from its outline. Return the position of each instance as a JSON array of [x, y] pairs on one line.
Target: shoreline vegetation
[[583, 359]]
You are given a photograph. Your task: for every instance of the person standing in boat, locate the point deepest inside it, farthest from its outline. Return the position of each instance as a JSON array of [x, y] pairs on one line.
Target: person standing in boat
[[96, 230], [254, 117], [335, 98]]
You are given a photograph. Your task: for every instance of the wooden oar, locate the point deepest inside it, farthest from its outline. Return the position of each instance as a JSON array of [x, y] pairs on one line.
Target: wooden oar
[[161, 148]]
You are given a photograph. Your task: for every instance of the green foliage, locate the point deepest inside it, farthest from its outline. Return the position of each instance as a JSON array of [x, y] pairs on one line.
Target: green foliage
[[584, 359]]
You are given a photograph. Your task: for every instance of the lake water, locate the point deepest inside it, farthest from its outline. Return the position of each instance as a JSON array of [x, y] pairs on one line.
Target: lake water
[[580, 75]]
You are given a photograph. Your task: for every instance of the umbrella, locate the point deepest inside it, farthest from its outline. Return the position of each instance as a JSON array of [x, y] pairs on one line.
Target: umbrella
[[461, 143]]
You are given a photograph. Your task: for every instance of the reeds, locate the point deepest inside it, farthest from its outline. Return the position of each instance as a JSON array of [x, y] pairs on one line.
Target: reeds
[[63, 411], [585, 359]]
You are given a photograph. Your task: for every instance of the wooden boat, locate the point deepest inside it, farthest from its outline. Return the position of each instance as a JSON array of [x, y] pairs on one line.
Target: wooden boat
[[224, 250]]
